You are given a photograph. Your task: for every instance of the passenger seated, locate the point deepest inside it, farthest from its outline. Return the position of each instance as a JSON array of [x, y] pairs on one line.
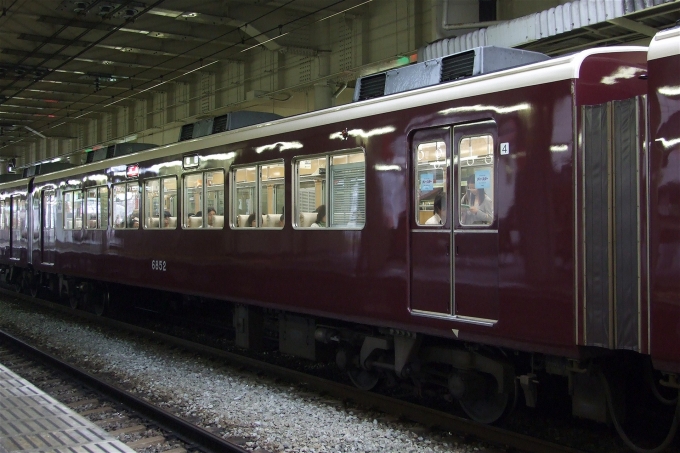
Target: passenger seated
[[211, 217], [320, 217], [133, 221], [252, 221], [166, 219]]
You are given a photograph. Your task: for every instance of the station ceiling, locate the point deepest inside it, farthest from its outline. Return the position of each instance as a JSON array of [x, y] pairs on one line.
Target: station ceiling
[[63, 59]]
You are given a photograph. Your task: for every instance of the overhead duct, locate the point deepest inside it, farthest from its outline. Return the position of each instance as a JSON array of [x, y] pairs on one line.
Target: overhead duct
[[474, 62], [228, 122]]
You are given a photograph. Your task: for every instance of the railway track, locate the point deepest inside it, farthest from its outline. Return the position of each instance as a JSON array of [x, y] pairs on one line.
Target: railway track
[[132, 420], [430, 418]]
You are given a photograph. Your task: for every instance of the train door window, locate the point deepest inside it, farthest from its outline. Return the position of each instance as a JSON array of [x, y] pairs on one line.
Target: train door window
[[431, 184], [73, 210], [97, 208], [476, 173], [4, 220], [343, 204], [50, 212], [204, 199], [258, 196], [19, 225], [160, 203], [126, 203]]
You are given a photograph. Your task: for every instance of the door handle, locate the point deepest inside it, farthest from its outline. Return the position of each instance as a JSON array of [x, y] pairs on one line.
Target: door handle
[[448, 249]]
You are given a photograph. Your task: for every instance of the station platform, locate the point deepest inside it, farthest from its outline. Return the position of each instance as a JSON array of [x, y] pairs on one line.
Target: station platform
[[32, 421]]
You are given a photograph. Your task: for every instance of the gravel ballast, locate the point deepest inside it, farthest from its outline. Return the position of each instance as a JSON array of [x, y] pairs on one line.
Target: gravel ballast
[[257, 412]]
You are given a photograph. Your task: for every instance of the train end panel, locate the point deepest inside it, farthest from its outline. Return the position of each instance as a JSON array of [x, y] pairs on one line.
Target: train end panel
[[664, 206]]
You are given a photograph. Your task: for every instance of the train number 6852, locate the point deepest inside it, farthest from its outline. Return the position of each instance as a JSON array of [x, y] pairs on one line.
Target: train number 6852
[[158, 265]]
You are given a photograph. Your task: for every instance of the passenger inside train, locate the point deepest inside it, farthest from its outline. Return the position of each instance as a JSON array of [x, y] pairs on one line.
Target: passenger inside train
[[252, 221], [320, 217], [439, 217], [476, 206], [211, 217]]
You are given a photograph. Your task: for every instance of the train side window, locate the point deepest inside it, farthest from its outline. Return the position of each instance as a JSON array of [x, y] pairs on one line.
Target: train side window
[[73, 210], [97, 208], [4, 221], [330, 191], [258, 196], [204, 199], [476, 173], [126, 202], [169, 203], [160, 203], [431, 184], [19, 224]]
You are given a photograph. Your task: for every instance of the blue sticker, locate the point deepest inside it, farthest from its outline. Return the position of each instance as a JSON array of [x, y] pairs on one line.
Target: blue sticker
[[426, 182], [482, 179]]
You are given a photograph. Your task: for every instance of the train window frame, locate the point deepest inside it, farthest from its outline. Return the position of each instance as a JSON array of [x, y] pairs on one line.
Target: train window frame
[[277, 184], [147, 225], [327, 196], [127, 217], [74, 225], [205, 184], [18, 223], [101, 221], [420, 183], [487, 164]]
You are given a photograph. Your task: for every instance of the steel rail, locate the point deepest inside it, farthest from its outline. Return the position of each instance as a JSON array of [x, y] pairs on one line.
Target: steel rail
[[188, 432], [431, 418]]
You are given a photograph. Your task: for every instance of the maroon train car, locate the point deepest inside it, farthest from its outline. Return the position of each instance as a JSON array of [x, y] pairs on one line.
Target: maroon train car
[[533, 266], [664, 200]]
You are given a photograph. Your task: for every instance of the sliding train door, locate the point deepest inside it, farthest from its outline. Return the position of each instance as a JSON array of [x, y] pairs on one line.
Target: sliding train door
[[430, 231], [475, 234]]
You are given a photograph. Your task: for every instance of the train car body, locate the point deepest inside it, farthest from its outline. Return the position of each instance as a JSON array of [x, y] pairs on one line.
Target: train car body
[[541, 247], [664, 196]]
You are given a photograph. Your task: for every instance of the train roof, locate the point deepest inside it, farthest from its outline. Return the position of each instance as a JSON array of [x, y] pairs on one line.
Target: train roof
[[665, 44], [556, 69]]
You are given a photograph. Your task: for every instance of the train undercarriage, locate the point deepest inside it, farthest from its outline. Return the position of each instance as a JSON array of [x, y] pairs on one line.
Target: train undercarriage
[[487, 382]]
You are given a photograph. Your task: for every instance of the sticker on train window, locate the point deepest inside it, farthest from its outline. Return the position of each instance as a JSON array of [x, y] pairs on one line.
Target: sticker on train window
[[483, 179]]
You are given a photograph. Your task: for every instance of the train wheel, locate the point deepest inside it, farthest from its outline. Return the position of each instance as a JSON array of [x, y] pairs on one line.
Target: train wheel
[[364, 379], [484, 404], [101, 303], [73, 301], [34, 285]]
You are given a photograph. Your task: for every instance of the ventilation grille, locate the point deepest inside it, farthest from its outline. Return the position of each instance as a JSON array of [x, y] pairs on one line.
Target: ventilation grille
[[458, 66], [220, 124], [372, 87], [187, 132]]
